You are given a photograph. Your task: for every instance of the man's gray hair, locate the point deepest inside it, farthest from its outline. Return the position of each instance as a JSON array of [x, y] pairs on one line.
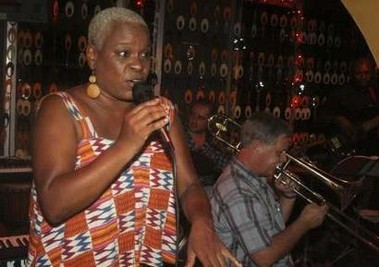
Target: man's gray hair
[[102, 23], [265, 127]]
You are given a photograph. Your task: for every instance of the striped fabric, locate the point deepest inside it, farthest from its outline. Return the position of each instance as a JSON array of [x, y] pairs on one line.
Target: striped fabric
[[132, 223]]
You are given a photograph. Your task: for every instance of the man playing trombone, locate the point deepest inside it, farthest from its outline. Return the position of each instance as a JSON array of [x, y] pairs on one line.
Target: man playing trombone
[[249, 213]]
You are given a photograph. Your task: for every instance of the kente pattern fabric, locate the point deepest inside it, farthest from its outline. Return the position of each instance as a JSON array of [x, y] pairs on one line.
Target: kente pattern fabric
[[133, 223]]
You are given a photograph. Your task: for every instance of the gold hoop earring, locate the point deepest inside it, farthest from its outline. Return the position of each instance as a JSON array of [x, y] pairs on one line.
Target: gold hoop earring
[[93, 90]]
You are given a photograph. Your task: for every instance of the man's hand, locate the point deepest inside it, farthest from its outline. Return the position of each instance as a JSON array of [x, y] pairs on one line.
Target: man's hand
[[313, 215], [286, 187]]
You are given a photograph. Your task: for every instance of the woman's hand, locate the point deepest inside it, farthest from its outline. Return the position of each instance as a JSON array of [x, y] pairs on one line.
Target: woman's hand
[[143, 120], [205, 244]]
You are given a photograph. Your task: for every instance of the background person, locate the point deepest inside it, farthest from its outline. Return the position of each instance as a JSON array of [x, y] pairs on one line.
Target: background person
[[104, 187], [248, 214], [351, 113], [351, 119], [207, 156]]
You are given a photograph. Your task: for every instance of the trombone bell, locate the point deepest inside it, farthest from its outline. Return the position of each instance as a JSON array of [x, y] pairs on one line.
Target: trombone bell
[[345, 190]]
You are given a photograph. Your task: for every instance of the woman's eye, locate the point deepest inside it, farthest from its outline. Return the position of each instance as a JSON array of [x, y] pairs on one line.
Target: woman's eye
[[124, 54], [146, 55], [127, 54]]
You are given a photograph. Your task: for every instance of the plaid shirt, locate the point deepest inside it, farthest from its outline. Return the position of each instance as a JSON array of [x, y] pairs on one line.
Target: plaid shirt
[[210, 150], [246, 213]]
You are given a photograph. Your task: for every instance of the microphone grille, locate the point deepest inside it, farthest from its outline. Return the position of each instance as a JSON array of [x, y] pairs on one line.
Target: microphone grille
[[142, 92]]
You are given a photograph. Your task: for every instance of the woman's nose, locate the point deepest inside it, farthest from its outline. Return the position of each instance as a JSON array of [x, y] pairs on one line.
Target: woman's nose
[[138, 63]]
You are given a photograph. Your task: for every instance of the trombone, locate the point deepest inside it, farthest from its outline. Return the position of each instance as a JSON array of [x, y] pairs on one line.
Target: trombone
[[221, 126]]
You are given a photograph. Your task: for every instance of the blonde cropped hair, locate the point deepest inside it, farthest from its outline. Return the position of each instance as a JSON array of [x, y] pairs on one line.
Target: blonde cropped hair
[[102, 23]]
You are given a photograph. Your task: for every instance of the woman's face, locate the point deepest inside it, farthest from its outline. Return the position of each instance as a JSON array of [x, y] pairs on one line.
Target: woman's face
[[124, 59]]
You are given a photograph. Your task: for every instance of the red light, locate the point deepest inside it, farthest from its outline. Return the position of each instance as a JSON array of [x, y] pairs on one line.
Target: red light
[[295, 101], [55, 11], [139, 3]]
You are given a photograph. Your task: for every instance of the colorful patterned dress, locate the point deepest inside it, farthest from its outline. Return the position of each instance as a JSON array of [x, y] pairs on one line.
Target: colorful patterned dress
[[132, 223]]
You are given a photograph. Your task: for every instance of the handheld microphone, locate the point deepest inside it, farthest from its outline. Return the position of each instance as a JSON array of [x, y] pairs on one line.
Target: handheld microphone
[[142, 92]]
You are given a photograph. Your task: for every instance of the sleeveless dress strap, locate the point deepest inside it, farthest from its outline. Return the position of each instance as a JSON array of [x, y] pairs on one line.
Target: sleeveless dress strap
[[86, 125]]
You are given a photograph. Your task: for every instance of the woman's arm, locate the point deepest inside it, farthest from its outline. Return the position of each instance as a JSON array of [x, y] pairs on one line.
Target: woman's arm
[[203, 241], [64, 191]]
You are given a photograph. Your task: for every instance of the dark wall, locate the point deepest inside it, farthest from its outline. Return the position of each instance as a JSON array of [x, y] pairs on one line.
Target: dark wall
[[35, 11], [50, 54], [281, 59]]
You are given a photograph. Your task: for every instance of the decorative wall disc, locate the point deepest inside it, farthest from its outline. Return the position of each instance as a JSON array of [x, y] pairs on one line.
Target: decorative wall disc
[[326, 78], [200, 94], [38, 40], [11, 35], [248, 111], [37, 90], [212, 96], [190, 68], [274, 20], [69, 9], [53, 88], [204, 25], [237, 112], [28, 39], [221, 97], [221, 109], [283, 21], [170, 6], [67, 42], [11, 52], [38, 57], [223, 70], [202, 69], [276, 111], [26, 108], [84, 10], [82, 43], [167, 65], [334, 78], [213, 69], [178, 67], [288, 113], [188, 96], [82, 59], [180, 22], [9, 69], [317, 77], [192, 24], [97, 9], [27, 58]]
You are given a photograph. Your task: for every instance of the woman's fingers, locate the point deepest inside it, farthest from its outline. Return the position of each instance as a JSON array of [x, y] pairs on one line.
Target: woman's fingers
[[228, 256]]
